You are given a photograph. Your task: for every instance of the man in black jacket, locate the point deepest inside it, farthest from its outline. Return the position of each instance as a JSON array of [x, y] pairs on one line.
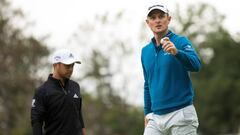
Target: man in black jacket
[[56, 105]]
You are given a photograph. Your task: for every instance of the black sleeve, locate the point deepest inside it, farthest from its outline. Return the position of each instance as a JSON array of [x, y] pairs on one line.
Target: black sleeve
[[37, 112], [80, 114]]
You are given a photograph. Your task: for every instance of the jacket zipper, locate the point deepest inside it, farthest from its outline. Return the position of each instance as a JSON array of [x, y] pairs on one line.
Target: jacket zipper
[[64, 91]]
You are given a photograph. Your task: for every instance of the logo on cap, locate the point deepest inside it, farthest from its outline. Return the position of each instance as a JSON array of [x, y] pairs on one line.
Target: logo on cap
[[57, 58], [71, 55]]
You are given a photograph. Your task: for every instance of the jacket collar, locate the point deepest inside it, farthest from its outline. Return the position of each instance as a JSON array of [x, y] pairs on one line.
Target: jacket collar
[[57, 81]]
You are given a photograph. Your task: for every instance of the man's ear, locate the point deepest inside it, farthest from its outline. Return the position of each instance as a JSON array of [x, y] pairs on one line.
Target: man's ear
[[55, 65], [147, 21], [169, 18]]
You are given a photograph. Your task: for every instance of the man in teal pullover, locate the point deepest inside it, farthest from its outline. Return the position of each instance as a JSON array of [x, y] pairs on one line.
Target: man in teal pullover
[[168, 94]]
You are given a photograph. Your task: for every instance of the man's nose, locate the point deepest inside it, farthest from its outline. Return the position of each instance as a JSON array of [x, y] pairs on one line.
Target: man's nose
[[158, 19]]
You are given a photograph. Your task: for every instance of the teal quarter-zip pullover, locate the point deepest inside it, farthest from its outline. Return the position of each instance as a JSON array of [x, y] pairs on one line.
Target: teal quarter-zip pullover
[[167, 85]]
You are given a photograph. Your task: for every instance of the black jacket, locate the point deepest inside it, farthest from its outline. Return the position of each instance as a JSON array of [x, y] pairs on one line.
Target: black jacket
[[56, 110]]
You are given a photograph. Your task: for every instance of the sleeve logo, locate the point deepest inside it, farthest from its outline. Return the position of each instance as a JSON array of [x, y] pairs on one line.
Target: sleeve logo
[[33, 103]]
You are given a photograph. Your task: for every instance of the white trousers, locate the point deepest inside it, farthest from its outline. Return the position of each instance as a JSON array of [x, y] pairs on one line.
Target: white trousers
[[180, 122]]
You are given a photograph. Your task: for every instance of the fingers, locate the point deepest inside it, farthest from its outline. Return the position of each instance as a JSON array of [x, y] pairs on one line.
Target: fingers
[[168, 46], [165, 41]]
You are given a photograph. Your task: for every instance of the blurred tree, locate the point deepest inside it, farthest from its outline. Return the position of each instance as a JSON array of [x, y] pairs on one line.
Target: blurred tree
[[20, 58], [218, 83], [222, 81], [106, 112]]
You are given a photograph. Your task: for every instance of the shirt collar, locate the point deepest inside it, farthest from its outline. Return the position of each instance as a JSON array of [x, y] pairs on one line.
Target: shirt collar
[[57, 81]]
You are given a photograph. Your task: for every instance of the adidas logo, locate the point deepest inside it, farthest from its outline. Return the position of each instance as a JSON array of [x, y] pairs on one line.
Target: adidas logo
[[71, 55], [75, 96]]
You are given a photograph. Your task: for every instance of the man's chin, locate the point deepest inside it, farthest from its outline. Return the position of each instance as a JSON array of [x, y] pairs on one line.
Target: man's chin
[[158, 31]]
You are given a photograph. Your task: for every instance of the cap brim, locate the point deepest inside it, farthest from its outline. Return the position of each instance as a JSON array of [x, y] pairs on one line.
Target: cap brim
[[71, 61]]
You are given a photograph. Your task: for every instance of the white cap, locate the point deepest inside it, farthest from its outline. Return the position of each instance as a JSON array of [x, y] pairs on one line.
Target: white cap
[[159, 7], [65, 57]]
